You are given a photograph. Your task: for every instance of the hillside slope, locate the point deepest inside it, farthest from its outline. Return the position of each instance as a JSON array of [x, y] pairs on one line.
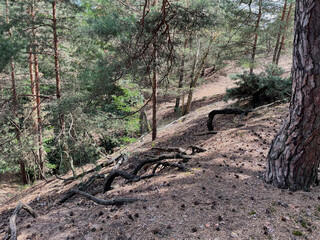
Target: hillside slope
[[223, 195]]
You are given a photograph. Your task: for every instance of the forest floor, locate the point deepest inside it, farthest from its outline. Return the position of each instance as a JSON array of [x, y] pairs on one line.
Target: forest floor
[[223, 196]]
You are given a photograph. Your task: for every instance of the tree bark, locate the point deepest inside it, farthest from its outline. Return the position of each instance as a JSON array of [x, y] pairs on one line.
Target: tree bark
[[181, 76], [195, 78], [37, 93], [276, 48], [254, 48], [284, 34], [294, 155], [58, 86], [154, 94], [15, 101]]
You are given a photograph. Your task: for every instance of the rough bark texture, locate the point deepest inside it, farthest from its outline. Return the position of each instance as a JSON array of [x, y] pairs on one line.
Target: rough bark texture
[[294, 156]]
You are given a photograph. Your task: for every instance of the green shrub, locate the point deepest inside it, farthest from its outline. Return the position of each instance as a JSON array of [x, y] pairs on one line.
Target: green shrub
[[261, 88]]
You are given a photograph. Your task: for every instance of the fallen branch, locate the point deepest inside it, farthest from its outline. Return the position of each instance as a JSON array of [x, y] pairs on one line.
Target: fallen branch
[[81, 187], [118, 173], [117, 201], [12, 231], [224, 111]]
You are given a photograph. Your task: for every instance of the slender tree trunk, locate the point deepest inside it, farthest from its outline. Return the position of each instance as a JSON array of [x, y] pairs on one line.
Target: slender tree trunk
[[144, 123], [254, 49], [181, 76], [154, 94], [15, 101], [185, 109], [294, 155], [276, 48], [284, 34], [38, 100], [195, 78], [34, 98], [58, 85]]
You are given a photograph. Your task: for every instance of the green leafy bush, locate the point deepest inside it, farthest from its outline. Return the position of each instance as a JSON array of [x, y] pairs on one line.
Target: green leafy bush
[[267, 86]]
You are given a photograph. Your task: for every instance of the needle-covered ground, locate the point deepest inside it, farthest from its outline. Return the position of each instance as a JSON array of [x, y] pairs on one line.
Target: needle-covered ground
[[222, 196]]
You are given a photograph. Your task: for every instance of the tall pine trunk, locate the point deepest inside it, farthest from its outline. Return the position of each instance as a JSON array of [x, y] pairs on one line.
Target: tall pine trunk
[[15, 101], [37, 94], [181, 75], [284, 34], [58, 86], [294, 155], [255, 42], [154, 93], [276, 48]]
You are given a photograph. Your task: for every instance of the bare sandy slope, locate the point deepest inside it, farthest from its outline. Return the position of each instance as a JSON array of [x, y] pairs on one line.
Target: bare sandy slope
[[222, 197]]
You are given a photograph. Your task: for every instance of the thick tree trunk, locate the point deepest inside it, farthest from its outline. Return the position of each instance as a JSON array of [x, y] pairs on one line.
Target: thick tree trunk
[[284, 34], [276, 48], [254, 48], [15, 101], [294, 156]]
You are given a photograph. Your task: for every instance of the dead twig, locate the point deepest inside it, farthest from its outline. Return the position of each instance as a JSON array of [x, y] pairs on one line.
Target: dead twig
[[12, 231]]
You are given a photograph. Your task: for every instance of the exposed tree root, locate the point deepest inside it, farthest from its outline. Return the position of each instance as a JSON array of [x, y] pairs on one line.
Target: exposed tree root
[[152, 160], [159, 158], [164, 164], [117, 201], [81, 187], [224, 111], [118, 173], [12, 231], [168, 164], [133, 176]]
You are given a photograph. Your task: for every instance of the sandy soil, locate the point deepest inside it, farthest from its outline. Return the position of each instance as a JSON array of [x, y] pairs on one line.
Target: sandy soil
[[222, 197]]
